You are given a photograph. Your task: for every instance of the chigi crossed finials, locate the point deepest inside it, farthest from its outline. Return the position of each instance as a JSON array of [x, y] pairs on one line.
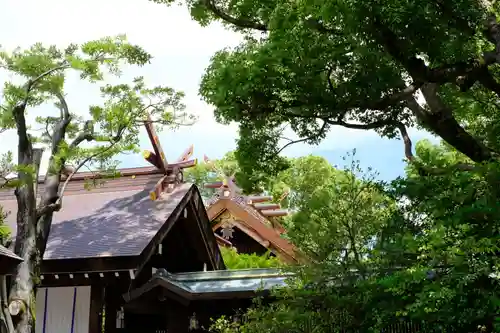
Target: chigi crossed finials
[[248, 223]]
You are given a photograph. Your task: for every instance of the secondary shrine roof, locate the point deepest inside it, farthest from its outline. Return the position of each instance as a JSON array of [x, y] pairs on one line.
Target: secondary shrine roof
[[254, 215], [214, 284], [117, 218]]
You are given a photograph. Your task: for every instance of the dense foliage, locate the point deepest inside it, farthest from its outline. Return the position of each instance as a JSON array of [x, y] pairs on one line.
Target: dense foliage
[[313, 65], [427, 256], [385, 66], [235, 260]]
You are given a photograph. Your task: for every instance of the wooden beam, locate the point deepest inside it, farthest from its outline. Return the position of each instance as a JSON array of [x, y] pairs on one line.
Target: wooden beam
[[186, 154], [259, 198], [86, 265], [182, 165], [205, 249], [222, 241], [152, 158], [159, 187], [284, 249], [80, 280], [249, 231], [274, 212], [162, 233], [96, 306], [204, 224], [148, 123], [213, 185], [261, 206]]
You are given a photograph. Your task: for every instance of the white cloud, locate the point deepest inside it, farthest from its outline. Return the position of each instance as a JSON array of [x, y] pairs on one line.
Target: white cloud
[[181, 48]]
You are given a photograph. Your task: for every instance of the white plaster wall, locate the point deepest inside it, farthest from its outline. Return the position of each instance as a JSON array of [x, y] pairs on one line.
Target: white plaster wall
[[58, 315]]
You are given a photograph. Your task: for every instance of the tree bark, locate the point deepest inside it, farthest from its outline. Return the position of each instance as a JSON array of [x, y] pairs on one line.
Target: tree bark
[[6, 325], [441, 121], [26, 275]]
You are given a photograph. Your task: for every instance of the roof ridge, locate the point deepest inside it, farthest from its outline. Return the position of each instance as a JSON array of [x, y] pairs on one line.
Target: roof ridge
[[123, 172]]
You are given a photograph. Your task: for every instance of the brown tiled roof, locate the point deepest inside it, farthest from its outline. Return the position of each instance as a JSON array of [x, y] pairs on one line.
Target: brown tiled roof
[[115, 219]]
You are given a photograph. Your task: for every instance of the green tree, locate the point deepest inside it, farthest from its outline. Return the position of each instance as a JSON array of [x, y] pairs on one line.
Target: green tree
[[360, 64], [212, 171], [338, 216], [356, 64], [432, 260], [112, 127], [235, 260], [449, 228]]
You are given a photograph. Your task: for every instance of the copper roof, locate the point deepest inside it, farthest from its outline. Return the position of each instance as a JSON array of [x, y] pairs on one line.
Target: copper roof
[[241, 283], [115, 219]]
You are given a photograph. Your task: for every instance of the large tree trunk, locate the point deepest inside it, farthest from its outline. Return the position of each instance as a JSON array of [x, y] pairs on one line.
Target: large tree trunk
[[27, 274], [442, 122]]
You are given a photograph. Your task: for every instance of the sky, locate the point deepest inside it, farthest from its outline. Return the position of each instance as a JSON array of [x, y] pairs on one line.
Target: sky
[[181, 51]]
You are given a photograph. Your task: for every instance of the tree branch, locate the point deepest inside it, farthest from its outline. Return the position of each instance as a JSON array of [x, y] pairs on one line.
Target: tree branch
[[447, 11], [425, 170], [492, 33], [440, 119], [369, 126], [65, 115], [56, 206], [239, 22], [463, 74], [63, 65], [312, 137], [87, 134]]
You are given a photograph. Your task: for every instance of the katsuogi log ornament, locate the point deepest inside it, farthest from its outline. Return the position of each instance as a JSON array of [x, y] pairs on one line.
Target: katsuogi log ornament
[[173, 174]]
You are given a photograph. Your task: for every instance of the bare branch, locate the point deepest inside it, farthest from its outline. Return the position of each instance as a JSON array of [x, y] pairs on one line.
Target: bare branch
[[47, 131], [312, 137]]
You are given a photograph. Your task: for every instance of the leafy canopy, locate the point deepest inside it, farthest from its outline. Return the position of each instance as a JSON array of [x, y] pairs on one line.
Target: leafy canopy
[[428, 255], [111, 127], [313, 65], [235, 260]]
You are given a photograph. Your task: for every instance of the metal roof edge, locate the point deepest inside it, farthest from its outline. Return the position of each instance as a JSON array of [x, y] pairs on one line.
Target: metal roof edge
[[173, 283], [250, 273]]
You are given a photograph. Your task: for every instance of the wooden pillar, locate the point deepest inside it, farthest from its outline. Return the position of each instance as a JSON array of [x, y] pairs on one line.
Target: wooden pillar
[[111, 308], [96, 306]]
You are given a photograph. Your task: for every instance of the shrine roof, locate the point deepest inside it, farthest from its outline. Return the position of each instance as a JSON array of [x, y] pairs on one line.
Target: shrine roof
[[245, 215], [215, 284], [8, 260], [117, 218]]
